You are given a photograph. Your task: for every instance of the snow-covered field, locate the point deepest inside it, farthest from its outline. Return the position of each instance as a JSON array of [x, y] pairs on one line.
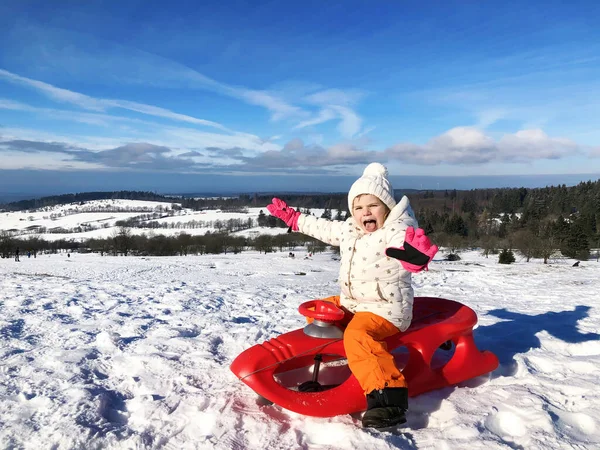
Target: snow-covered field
[[134, 353], [100, 218]]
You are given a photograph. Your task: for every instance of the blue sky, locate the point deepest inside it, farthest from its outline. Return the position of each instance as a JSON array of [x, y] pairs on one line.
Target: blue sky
[[238, 95]]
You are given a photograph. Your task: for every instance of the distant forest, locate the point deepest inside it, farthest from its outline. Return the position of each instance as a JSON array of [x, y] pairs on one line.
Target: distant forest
[[535, 222]]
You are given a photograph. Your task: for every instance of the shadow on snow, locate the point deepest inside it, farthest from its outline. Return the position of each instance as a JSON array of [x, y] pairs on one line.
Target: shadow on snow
[[516, 334]]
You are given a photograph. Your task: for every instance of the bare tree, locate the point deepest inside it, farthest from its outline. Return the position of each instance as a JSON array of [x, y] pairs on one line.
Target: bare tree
[[122, 240], [489, 244], [525, 242]]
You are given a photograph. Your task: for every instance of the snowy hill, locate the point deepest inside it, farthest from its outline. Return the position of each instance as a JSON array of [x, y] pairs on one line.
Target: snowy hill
[[134, 353], [99, 218]]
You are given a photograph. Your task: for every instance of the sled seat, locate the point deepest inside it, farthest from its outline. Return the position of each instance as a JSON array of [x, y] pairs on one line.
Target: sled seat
[[435, 321]]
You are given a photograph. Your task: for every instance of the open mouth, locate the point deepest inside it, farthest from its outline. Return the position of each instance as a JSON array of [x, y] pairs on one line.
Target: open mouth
[[370, 224]]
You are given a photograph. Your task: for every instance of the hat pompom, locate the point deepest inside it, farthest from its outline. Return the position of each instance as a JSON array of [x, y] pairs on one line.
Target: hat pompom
[[375, 170]]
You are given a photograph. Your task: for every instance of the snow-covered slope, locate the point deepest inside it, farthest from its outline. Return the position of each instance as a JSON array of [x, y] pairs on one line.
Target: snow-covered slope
[[134, 353], [98, 218]]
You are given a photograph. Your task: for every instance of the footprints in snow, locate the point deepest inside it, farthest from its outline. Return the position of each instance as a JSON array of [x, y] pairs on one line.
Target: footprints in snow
[[514, 426]]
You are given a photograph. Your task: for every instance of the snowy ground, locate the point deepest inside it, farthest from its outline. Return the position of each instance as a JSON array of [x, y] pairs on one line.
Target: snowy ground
[[134, 353], [102, 216]]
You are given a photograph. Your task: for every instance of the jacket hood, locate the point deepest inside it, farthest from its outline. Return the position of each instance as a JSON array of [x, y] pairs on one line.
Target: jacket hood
[[399, 210]]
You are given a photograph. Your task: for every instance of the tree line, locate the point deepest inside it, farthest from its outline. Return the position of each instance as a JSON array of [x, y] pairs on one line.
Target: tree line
[[535, 222], [123, 242]]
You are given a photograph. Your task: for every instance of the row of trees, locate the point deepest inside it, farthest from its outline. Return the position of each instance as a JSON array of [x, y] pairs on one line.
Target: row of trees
[[533, 236], [226, 226], [123, 242]]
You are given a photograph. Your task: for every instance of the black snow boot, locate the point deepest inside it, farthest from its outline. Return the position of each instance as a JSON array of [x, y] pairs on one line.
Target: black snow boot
[[386, 408]]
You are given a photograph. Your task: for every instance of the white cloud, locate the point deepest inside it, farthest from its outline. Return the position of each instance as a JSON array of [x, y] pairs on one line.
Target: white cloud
[[278, 107], [89, 142], [349, 126], [14, 160], [487, 117], [173, 137], [16, 106], [72, 116], [55, 93], [335, 97], [535, 144], [111, 62], [239, 152], [467, 145], [325, 115], [350, 123], [346, 153], [161, 112], [336, 104]]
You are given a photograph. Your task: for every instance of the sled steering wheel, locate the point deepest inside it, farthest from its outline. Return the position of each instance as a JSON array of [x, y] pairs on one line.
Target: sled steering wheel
[[321, 310]]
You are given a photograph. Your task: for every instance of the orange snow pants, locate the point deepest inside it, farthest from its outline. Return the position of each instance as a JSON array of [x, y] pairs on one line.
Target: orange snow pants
[[368, 358]]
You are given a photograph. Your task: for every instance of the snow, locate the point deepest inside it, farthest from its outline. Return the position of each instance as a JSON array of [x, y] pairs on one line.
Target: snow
[[101, 216], [134, 353]]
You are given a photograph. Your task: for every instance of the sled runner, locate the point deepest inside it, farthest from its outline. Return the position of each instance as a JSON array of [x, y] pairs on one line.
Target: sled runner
[[305, 370]]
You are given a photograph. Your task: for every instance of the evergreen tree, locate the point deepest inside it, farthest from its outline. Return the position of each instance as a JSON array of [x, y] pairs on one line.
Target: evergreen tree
[[456, 225], [262, 219], [504, 225], [576, 245], [560, 229], [506, 257]]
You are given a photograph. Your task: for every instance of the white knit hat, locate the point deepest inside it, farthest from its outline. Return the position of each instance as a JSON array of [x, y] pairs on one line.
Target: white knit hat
[[373, 181]]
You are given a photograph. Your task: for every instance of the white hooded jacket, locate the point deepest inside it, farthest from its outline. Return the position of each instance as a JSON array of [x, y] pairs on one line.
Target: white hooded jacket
[[370, 280]]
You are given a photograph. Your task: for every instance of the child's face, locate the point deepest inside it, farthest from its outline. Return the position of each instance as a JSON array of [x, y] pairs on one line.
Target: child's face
[[369, 212]]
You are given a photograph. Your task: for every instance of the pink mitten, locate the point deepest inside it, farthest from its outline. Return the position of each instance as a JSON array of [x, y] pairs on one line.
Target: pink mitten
[[416, 252], [282, 211]]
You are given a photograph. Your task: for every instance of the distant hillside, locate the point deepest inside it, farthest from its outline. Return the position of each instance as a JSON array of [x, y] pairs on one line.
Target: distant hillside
[[583, 198], [535, 221], [64, 199]]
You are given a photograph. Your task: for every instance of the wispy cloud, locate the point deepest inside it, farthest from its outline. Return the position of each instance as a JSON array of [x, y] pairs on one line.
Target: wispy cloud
[[549, 89], [114, 63], [350, 123], [336, 97], [106, 62], [278, 107], [99, 119], [335, 104], [487, 117], [99, 104], [145, 130], [325, 115], [349, 126]]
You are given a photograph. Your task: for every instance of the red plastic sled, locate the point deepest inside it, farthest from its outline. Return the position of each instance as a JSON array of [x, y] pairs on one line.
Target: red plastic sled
[[284, 368]]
